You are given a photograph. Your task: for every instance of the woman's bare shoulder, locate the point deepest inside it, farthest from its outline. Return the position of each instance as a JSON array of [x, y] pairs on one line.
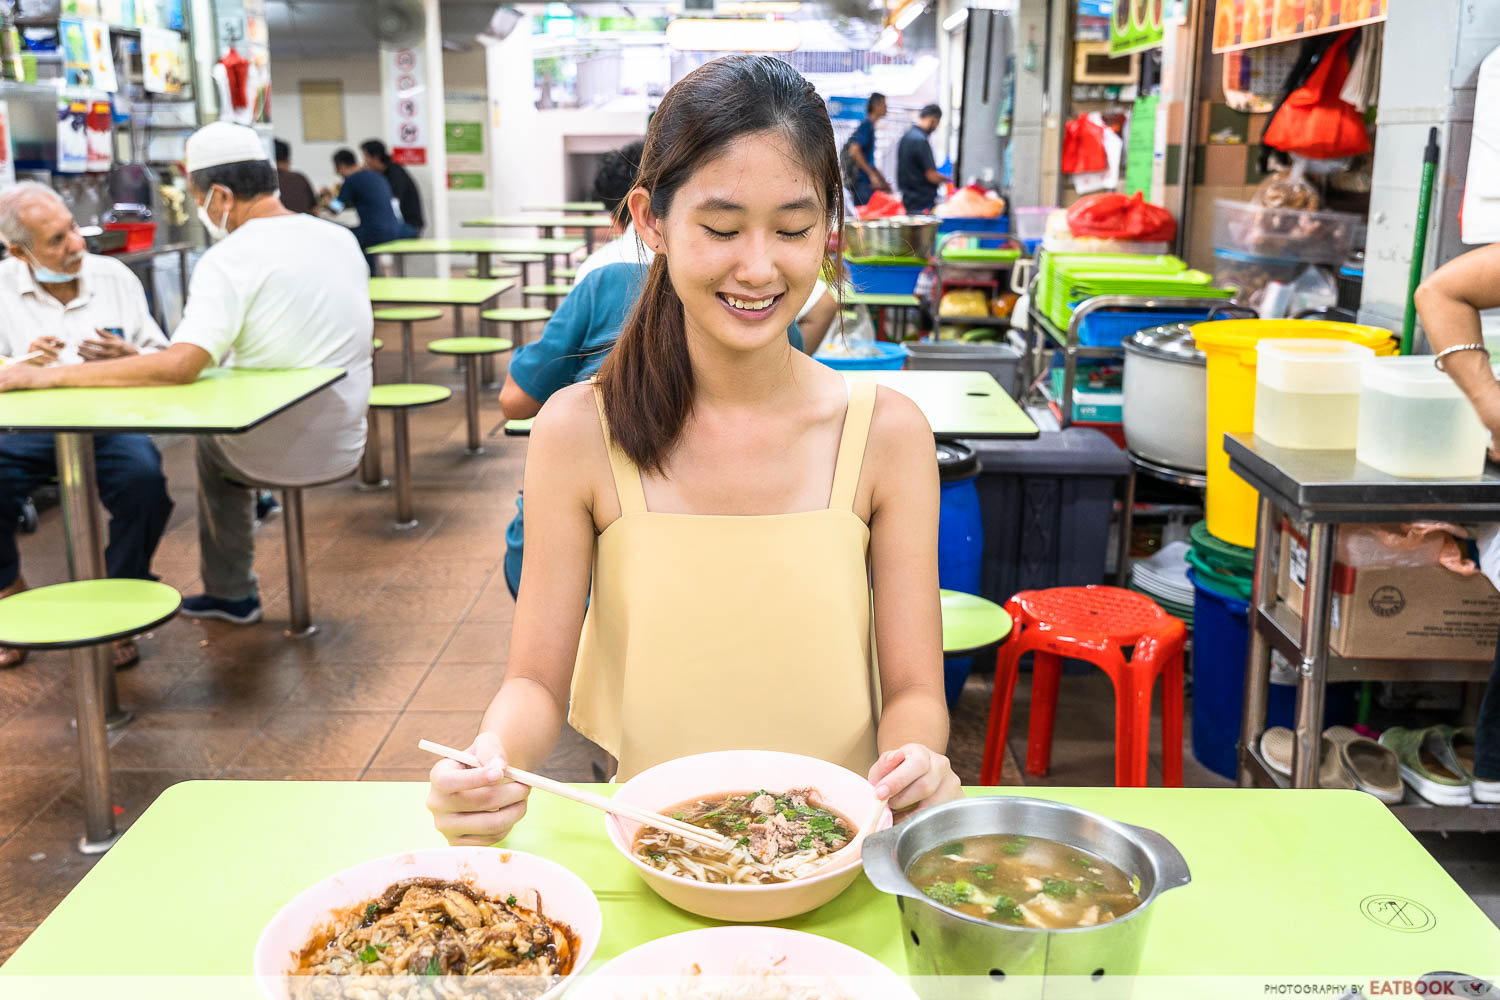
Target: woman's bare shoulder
[[898, 423], [568, 417]]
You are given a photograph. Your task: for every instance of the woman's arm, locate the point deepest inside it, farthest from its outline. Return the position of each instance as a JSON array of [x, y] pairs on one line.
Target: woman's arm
[[913, 732], [566, 450], [1449, 302]]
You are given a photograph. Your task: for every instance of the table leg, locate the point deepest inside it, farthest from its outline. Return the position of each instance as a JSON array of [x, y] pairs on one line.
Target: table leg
[[182, 279], [408, 360], [487, 364], [79, 489], [370, 476], [404, 517], [1258, 657], [93, 753], [588, 239], [400, 261], [296, 566], [1316, 605], [1127, 525], [458, 331], [471, 403], [482, 264]]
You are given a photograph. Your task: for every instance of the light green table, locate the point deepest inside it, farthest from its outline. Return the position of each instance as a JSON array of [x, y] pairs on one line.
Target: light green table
[[482, 249], [1282, 883], [903, 304], [585, 207], [959, 404], [549, 224], [220, 401], [455, 292]]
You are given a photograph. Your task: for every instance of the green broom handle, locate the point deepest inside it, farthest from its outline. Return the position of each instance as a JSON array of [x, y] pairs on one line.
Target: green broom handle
[[1419, 243]]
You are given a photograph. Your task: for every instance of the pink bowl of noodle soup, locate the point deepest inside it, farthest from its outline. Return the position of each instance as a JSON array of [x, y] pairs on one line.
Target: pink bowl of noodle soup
[[785, 852]]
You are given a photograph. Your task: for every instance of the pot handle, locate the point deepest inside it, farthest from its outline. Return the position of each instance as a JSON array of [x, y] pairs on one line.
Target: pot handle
[[879, 857], [1171, 865]]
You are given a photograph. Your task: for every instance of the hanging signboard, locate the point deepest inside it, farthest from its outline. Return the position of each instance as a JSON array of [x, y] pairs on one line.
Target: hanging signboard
[[1135, 25], [1243, 24], [410, 112]]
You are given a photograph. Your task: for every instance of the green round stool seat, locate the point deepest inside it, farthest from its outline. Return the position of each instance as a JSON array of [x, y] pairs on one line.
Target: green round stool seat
[[84, 613], [397, 395], [546, 289], [407, 314], [376, 344], [565, 272], [469, 345], [524, 258], [496, 271], [516, 315], [971, 622]]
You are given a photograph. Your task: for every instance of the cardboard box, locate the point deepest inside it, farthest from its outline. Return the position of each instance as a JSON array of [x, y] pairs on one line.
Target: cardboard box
[[1425, 613]]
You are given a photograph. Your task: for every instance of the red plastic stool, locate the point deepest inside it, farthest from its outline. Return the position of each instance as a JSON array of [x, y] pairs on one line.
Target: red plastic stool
[[1094, 624]]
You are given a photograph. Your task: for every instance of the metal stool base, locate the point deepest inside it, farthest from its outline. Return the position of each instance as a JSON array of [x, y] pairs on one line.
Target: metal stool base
[[383, 484], [92, 847], [405, 525], [306, 633]]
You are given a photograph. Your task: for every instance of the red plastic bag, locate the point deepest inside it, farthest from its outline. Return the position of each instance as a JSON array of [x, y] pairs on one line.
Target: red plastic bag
[[1315, 122], [1117, 217], [1083, 147], [882, 205]]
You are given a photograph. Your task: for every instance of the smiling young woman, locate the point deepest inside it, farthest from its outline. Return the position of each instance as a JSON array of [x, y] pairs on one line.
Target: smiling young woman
[[719, 529]]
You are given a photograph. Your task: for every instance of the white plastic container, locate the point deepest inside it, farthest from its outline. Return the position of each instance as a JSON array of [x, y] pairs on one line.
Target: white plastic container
[[1414, 422], [1307, 392]]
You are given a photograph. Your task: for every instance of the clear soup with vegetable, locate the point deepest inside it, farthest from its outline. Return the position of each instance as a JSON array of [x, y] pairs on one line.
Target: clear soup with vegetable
[[1025, 881]]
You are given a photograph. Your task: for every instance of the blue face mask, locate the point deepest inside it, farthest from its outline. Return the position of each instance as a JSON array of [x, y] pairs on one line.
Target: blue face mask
[[49, 277]]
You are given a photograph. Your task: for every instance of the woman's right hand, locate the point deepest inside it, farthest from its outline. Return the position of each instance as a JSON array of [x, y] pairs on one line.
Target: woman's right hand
[[475, 806]]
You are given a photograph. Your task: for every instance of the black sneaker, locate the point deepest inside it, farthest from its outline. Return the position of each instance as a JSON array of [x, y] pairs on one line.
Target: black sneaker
[[242, 612], [265, 505]]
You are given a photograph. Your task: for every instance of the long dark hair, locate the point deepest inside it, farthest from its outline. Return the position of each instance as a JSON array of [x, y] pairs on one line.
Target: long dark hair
[[647, 381]]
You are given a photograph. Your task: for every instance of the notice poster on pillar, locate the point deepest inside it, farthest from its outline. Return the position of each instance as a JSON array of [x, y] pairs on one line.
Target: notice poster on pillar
[[7, 156], [1243, 24], [409, 91]]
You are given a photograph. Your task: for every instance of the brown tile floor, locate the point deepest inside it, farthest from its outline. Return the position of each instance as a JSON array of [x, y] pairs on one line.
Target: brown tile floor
[[415, 629]]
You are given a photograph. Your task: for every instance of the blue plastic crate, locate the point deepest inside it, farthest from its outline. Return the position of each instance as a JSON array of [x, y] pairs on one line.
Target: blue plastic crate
[[1000, 224], [892, 357], [884, 279], [1109, 329]]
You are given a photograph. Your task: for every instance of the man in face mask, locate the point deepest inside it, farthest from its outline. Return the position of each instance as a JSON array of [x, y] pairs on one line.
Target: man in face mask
[[278, 289], [63, 306]]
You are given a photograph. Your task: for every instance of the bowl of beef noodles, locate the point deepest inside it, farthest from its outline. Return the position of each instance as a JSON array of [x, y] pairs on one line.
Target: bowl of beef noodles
[[785, 818], [456, 922]]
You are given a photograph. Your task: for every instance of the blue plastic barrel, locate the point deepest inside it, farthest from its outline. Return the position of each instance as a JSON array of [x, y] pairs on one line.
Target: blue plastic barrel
[[960, 542]]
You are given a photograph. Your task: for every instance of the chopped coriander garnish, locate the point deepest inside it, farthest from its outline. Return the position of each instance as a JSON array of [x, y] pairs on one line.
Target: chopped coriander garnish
[[510, 900], [371, 952], [950, 893], [1081, 862], [1014, 846], [804, 843], [1058, 889], [957, 847], [983, 872], [743, 842], [658, 857], [371, 910], [433, 969], [678, 815]]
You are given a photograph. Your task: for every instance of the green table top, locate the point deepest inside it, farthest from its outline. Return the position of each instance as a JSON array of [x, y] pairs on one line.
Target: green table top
[[84, 612], [516, 314], [519, 428], [852, 298], [407, 394], [959, 404], [566, 206], [1282, 882], [438, 291], [540, 221], [548, 290], [469, 345], [971, 622], [479, 245], [408, 314], [221, 401]]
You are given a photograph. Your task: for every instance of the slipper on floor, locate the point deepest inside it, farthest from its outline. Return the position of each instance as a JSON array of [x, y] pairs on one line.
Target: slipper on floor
[[11, 657], [1374, 768], [125, 654], [1276, 747], [1421, 753], [1461, 741]]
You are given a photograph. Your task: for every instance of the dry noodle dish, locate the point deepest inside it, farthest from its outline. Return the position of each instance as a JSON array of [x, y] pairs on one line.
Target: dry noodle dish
[[1026, 881], [426, 927], [777, 838], [749, 981]]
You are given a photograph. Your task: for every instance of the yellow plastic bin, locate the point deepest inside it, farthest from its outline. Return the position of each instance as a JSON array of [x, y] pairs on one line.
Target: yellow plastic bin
[[1229, 346]]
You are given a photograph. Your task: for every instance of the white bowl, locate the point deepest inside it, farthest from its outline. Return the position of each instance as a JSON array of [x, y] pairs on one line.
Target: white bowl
[[676, 781], [496, 872], [658, 967]]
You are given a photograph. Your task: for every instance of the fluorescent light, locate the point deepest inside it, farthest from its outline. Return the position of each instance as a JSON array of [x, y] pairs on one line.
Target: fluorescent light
[[889, 39], [955, 20], [909, 13], [693, 34], [753, 7]]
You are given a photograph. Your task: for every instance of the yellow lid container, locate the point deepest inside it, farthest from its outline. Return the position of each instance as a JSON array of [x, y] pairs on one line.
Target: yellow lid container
[[1230, 349]]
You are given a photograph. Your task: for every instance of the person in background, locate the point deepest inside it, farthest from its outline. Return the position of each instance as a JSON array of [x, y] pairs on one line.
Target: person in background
[[612, 183], [860, 175], [1449, 303], [916, 173], [74, 308], [296, 190], [368, 194], [403, 188], [277, 290]]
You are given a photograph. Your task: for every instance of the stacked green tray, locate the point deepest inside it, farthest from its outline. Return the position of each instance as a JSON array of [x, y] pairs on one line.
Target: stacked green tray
[[1070, 287], [1057, 272], [980, 257]]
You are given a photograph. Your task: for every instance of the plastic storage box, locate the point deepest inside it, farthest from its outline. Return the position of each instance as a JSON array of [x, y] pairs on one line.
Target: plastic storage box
[[1414, 421], [1109, 329], [1307, 392], [1284, 233], [1000, 360], [1046, 505], [1250, 274], [884, 279], [1000, 225]]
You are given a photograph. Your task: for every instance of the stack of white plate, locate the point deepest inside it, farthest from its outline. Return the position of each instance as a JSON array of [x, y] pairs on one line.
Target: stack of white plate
[[1164, 579]]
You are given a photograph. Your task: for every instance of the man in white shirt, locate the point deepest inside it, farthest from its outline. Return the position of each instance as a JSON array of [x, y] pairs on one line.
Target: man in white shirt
[[69, 307], [277, 290], [612, 183]]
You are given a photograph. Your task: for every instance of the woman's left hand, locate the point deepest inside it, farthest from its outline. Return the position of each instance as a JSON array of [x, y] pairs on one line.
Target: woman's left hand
[[914, 777]]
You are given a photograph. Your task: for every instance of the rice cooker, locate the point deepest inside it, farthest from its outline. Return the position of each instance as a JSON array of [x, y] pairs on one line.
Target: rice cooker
[[1166, 398]]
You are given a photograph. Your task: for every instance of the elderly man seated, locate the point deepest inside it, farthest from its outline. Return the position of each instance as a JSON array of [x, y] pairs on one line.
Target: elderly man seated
[[278, 289], [69, 307]]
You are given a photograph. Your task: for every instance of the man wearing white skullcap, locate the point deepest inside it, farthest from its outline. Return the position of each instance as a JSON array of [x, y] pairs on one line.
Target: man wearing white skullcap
[[277, 289]]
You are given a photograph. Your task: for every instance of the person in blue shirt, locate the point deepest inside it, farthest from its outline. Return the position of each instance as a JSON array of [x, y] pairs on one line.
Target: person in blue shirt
[[573, 345], [916, 172], [369, 195], [860, 174]]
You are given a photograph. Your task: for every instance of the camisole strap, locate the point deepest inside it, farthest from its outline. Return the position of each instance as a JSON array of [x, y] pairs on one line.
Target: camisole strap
[[852, 444], [627, 477]]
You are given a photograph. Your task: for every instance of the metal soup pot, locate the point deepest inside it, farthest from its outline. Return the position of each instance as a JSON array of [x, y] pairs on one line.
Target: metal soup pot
[[945, 943], [898, 236]]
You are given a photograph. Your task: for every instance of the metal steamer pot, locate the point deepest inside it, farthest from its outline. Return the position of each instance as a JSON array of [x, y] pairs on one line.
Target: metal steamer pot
[[1003, 960], [898, 236], [1166, 397]]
